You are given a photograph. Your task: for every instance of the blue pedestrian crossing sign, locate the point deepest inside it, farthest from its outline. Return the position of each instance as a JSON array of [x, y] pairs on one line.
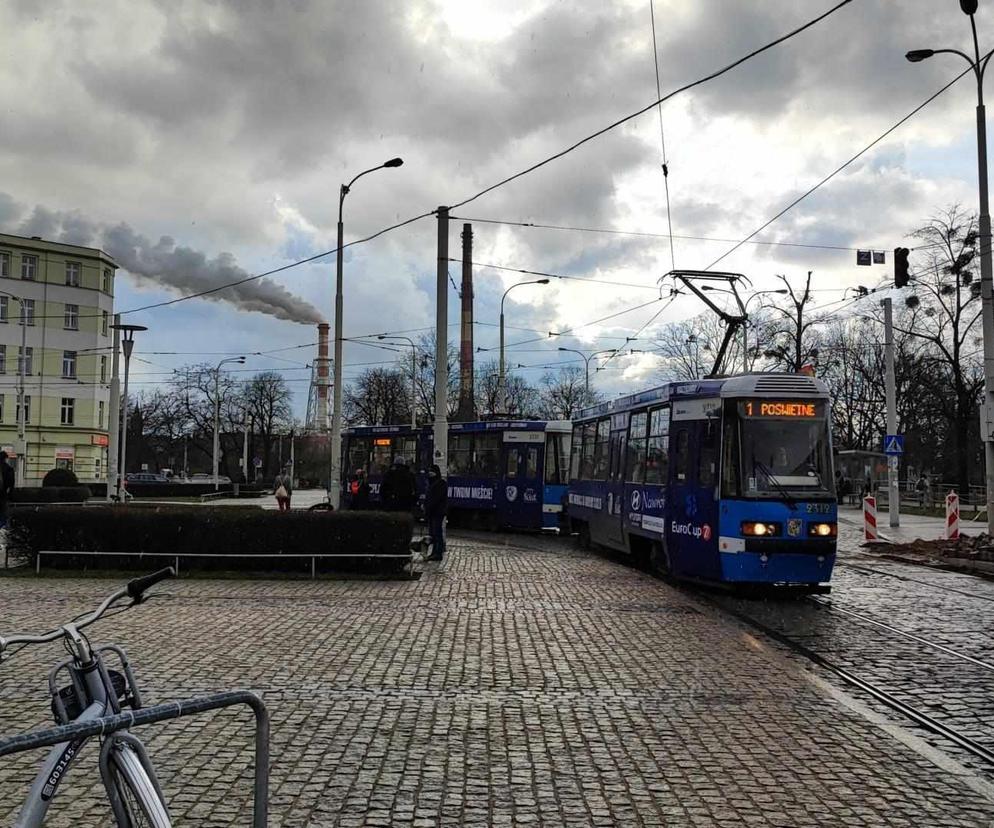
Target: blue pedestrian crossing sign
[[894, 444]]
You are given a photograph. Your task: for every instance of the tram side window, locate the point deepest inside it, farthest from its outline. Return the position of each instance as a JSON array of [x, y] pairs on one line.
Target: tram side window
[[637, 444], [513, 458], [359, 448], [460, 454], [601, 449], [531, 463], [556, 458], [657, 460], [730, 460], [587, 455], [708, 455], [487, 459], [575, 451], [407, 447], [681, 458]]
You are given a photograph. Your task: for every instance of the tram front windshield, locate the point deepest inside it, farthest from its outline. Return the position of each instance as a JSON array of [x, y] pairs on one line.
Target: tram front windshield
[[777, 447]]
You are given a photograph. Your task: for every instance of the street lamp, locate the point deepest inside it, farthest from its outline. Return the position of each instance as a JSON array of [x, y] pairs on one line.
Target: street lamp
[[501, 378], [414, 374], [217, 412], [979, 67], [586, 360], [745, 324], [128, 344], [335, 483]]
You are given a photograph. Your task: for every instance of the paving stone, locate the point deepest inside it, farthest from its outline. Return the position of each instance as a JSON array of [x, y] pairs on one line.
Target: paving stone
[[522, 683]]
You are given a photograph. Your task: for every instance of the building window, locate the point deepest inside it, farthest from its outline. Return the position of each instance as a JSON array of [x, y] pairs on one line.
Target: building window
[[69, 364], [28, 311], [64, 463], [103, 323], [103, 369], [107, 281], [72, 317], [5, 265], [2, 398], [96, 468], [27, 409], [100, 415], [29, 267], [27, 362], [72, 274], [4, 304], [68, 410], [3, 359]]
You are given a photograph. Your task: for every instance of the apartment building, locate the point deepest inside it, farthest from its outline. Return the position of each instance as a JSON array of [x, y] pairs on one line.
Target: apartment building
[[65, 296]]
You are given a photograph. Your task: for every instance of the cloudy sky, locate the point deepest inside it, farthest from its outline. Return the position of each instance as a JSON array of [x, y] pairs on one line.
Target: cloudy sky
[[203, 141]]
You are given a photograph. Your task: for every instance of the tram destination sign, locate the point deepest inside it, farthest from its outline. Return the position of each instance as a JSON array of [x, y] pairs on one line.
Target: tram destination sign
[[782, 409]]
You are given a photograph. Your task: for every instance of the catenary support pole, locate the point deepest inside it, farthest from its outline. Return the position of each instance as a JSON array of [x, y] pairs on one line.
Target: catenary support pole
[[987, 300], [441, 433], [890, 389], [114, 423]]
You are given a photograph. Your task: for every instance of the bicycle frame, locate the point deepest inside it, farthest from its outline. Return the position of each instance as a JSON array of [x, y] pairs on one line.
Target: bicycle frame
[[95, 691]]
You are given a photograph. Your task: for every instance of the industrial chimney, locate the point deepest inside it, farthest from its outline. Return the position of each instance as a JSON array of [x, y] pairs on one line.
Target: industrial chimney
[[467, 403], [322, 385]]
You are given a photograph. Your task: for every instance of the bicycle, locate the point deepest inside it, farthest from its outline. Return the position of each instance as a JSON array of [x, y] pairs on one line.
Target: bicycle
[[96, 691]]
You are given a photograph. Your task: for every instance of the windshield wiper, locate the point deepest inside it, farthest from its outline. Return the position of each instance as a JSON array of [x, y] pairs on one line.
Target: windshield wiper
[[772, 478]]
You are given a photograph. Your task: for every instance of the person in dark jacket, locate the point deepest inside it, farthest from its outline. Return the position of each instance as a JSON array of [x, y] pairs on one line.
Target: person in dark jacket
[[359, 491], [6, 487], [397, 492], [436, 506]]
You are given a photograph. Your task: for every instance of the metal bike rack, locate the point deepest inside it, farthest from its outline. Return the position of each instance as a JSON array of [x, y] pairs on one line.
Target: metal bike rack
[[161, 713]]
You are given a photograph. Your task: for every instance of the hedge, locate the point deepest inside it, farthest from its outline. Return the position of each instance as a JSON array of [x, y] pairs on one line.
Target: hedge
[[226, 533], [154, 490]]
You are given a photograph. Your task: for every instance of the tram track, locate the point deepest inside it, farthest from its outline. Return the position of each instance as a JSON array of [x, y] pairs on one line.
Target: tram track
[[889, 699], [932, 584]]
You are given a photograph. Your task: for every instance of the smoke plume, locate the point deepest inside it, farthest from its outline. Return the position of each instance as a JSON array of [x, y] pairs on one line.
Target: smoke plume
[[163, 263]]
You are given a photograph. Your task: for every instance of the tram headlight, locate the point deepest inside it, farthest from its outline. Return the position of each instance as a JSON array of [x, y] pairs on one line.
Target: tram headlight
[[823, 530], [760, 529]]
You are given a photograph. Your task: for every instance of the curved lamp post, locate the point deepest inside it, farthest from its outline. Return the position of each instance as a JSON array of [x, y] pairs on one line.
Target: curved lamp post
[[335, 481], [586, 360], [979, 67], [501, 378]]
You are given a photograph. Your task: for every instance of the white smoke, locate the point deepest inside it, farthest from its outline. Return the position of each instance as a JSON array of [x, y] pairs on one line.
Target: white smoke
[[164, 262]]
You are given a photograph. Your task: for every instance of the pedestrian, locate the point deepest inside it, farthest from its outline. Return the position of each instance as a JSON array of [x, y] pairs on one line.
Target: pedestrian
[[920, 488], [283, 489], [398, 492], [436, 506], [359, 491], [6, 487]]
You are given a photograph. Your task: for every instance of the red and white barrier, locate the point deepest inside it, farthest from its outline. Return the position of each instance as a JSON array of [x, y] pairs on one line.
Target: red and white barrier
[[952, 516], [870, 518]]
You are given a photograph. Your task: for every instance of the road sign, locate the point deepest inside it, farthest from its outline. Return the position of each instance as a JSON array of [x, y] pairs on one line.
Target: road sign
[[894, 462], [864, 258], [894, 444]]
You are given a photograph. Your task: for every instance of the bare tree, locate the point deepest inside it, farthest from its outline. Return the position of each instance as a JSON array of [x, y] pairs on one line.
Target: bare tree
[[564, 394], [789, 338], [523, 399], [267, 400], [378, 396], [689, 347]]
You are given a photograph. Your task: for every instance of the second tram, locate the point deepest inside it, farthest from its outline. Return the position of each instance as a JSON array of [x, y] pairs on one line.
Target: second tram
[[501, 474]]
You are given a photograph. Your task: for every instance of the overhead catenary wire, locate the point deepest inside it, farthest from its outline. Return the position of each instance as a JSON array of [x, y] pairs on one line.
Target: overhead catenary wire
[[843, 166], [662, 134]]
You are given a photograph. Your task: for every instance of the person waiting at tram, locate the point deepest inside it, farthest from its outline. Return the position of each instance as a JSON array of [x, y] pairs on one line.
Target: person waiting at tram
[[398, 492]]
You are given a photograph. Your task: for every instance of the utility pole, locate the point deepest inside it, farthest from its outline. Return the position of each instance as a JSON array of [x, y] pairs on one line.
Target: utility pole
[[245, 466], [441, 432], [114, 426], [890, 383], [467, 404]]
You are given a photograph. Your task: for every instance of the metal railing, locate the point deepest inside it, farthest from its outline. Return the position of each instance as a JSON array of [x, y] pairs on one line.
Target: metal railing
[[314, 558], [160, 713]]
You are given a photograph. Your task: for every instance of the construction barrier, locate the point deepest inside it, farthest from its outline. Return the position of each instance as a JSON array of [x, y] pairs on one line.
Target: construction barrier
[[870, 518], [952, 516]]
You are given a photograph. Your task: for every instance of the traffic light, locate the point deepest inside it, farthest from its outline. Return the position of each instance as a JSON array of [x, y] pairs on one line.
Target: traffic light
[[901, 275]]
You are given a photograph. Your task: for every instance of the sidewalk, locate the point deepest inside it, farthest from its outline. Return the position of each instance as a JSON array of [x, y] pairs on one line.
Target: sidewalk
[[913, 527]]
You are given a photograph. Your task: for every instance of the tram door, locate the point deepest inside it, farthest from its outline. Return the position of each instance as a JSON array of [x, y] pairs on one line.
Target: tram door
[[521, 491], [614, 503]]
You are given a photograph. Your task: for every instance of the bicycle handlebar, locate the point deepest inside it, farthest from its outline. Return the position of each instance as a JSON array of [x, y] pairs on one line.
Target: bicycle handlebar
[[135, 589]]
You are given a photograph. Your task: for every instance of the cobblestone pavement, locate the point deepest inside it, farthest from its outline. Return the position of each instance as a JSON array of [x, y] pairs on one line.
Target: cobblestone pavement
[[951, 609], [519, 683]]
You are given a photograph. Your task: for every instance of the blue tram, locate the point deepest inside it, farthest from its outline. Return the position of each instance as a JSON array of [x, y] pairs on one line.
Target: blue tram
[[724, 480], [501, 474]]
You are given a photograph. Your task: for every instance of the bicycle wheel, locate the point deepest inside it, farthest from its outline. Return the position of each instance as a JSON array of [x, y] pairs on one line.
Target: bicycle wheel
[[138, 795]]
